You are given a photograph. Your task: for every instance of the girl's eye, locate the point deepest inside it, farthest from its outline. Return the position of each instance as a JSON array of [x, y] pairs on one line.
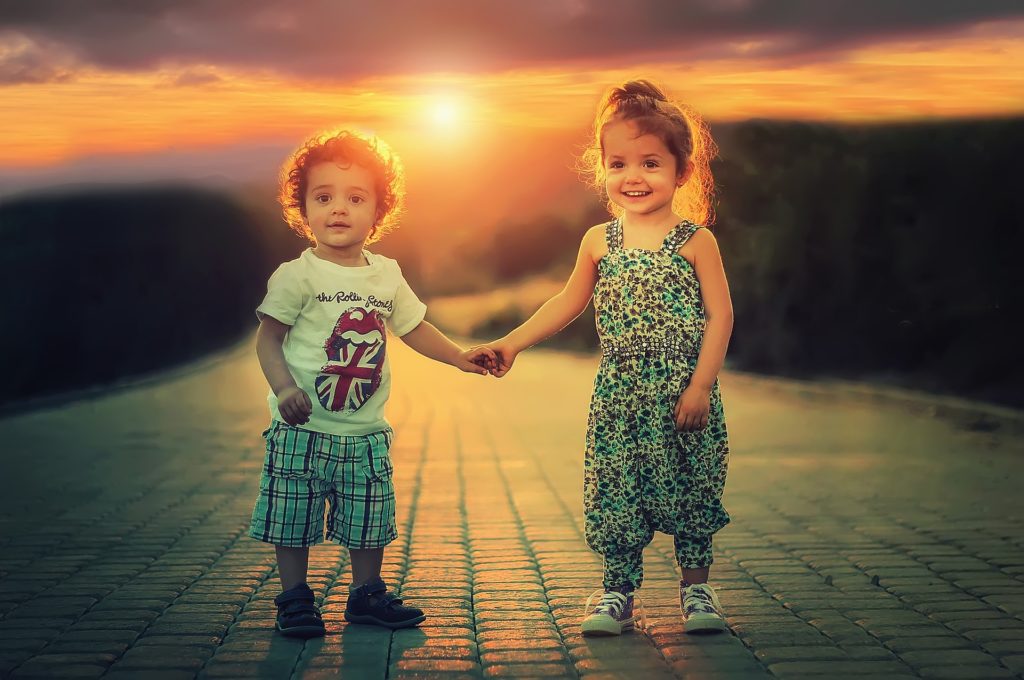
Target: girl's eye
[[650, 164], [357, 199], [615, 165], [323, 198]]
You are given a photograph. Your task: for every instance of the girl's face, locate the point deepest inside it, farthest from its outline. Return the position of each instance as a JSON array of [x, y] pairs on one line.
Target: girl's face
[[641, 175], [341, 206]]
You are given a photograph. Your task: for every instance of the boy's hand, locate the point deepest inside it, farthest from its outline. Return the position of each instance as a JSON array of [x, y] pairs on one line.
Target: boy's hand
[[294, 405], [477, 360], [692, 409]]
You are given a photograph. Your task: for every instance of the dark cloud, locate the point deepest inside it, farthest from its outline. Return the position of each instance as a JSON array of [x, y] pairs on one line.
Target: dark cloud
[[325, 38]]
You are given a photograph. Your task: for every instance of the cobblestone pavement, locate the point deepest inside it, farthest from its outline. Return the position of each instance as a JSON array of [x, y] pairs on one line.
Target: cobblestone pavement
[[867, 540]]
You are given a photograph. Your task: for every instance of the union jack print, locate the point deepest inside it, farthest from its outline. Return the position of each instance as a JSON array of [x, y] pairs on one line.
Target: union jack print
[[355, 359]]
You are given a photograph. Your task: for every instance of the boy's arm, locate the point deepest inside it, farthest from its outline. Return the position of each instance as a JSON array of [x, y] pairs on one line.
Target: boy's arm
[[559, 310], [433, 344], [294, 404]]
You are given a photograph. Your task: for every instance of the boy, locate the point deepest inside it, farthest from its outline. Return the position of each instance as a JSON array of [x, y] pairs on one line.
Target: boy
[[323, 347]]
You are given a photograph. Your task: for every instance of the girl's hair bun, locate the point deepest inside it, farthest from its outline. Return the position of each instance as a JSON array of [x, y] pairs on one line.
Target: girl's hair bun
[[636, 98], [642, 88]]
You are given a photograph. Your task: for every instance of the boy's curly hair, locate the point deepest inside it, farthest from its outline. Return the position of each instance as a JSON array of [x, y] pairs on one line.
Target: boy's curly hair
[[679, 127], [345, 147]]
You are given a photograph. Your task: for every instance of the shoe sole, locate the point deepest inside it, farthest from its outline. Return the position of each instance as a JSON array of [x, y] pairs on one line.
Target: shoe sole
[[705, 625], [301, 631], [374, 621], [605, 627]]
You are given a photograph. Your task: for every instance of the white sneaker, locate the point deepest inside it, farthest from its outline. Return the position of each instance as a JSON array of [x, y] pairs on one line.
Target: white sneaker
[[612, 615], [702, 612]]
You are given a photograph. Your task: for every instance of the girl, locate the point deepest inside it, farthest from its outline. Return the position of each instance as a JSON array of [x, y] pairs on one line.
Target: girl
[[657, 448]]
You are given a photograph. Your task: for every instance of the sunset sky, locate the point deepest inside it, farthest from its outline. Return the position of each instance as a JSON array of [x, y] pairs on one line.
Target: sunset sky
[[125, 81]]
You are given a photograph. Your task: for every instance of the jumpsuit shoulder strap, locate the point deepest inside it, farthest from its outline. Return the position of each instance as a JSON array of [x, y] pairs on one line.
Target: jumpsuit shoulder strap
[[613, 234], [679, 235]]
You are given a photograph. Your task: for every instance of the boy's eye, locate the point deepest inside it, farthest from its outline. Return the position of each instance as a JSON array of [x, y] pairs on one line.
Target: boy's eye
[[357, 199], [322, 198], [650, 164], [615, 164]]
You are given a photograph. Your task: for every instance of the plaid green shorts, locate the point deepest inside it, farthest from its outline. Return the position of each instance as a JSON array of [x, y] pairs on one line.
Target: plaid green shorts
[[304, 472]]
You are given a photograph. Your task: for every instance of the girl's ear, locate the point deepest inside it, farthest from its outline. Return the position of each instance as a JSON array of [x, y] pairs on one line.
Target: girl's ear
[[684, 176]]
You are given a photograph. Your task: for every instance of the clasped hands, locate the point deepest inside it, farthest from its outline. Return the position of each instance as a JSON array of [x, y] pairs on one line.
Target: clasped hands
[[495, 358]]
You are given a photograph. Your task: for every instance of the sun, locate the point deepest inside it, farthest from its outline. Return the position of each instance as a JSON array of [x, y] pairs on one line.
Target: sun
[[444, 112]]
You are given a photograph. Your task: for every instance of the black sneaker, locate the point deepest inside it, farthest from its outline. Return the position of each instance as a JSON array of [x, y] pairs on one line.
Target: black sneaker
[[372, 603], [297, 613]]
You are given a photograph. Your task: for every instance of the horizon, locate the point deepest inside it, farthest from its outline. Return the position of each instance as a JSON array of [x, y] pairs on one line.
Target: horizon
[[233, 165]]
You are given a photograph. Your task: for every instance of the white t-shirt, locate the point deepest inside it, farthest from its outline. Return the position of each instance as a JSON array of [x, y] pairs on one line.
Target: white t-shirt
[[336, 348]]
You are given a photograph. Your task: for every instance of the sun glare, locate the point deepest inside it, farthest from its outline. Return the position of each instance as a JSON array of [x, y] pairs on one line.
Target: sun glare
[[444, 112]]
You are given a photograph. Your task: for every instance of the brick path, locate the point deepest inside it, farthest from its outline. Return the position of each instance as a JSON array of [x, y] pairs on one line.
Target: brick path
[[867, 541]]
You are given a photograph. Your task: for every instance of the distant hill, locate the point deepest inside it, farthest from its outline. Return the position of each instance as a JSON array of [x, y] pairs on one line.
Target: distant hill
[[106, 282], [889, 251]]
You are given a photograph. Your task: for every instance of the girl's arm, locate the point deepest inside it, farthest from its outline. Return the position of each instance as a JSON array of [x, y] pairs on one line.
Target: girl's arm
[[292, 402], [694, 403], [434, 344], [558, 311]]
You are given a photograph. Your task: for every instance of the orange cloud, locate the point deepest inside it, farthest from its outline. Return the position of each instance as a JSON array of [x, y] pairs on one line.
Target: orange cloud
[[973, 73]]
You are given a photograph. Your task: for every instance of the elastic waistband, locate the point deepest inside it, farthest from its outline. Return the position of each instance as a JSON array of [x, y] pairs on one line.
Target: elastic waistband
[[677, 349]]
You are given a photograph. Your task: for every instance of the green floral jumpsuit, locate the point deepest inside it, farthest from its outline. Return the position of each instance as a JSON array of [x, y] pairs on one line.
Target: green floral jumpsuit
[[641, 475]]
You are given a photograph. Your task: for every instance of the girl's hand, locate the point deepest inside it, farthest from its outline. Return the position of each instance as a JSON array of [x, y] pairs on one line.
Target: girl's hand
[[294, 405], [692, 409], [505, 356], [477, 360]]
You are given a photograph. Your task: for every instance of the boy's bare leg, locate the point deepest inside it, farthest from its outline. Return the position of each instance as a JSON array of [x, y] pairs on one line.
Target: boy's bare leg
[[695, 576], [292, 564], [365, 564]]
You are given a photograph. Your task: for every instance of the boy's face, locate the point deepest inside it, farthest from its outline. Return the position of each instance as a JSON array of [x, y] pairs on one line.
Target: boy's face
[[341, 206]]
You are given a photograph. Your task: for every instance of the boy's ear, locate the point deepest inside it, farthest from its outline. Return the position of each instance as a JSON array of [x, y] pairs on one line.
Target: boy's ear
[[375, 227], [684, 176]]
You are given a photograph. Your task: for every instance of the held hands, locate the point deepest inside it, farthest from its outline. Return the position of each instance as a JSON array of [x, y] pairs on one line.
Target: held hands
[[692, 409], [476, 359], [499, 359], [294, 405]]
